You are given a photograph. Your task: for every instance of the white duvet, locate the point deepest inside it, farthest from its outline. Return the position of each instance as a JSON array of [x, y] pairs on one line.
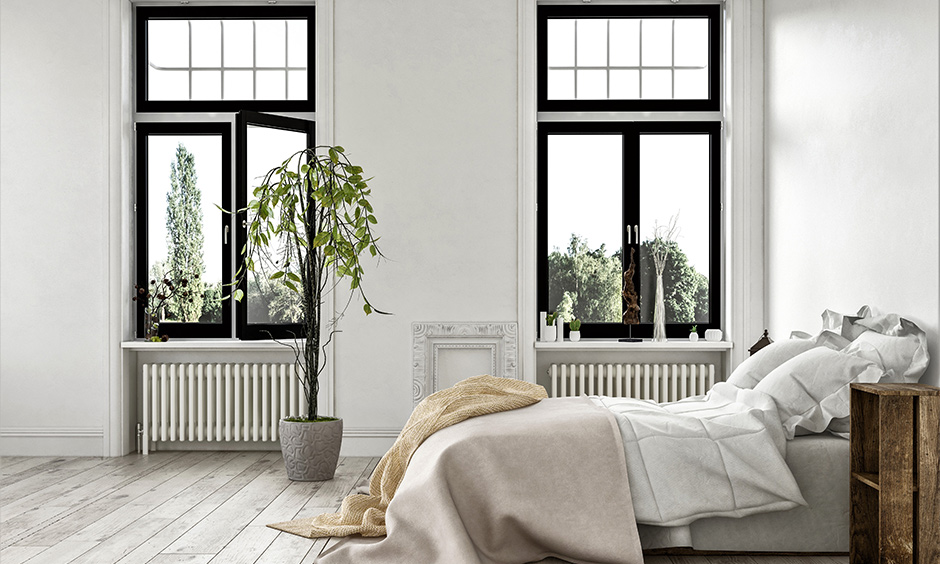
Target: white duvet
[[719, 455]]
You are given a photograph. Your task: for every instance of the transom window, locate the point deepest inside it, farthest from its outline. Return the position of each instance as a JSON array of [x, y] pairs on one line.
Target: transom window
[[193, 58], [647, 54]]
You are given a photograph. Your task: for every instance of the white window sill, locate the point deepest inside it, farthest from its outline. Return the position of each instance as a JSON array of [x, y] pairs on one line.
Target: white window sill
[[205, 345], [646, 345]]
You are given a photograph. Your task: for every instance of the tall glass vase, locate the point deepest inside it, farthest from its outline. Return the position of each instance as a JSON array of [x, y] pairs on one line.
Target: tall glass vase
[[659, 312]]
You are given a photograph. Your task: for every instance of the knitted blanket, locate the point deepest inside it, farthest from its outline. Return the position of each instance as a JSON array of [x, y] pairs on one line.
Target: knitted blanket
[[365, 514]]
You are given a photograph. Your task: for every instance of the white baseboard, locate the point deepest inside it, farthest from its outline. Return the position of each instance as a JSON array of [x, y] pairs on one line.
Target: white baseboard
[[51, 441]]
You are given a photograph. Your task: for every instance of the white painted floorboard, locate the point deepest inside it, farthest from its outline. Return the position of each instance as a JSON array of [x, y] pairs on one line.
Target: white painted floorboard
[[188, 507]]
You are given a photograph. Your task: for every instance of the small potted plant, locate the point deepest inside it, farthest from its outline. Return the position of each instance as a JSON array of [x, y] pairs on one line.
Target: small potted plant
[[693, 333], [550, 327], [154, 297], [575, 333]]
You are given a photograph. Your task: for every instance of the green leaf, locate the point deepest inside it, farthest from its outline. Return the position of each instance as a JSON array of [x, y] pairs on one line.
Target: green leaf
[[290, 285], [372, 219], [293, 277], [339, 149], [367, 308], [277, 275], [321, 239], [334, 158], [239, 294]]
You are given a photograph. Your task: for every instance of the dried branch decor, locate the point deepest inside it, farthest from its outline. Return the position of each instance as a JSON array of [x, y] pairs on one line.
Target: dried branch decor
[[659, 248]]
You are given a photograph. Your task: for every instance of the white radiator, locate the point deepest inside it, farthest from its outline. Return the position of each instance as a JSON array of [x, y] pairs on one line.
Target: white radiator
[[657, 382], [218, 402]]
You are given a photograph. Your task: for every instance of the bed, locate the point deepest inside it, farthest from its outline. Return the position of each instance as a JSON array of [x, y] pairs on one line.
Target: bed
[[759, 464]]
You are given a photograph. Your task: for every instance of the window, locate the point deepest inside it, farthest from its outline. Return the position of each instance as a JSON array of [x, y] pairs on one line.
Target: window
[[183, 173], [268, 308], [210, 59], [655, 58], [203, 75], [604, 185]]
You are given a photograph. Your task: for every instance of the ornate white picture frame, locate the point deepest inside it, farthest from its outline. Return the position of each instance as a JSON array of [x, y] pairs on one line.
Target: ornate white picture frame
[[430, 338]]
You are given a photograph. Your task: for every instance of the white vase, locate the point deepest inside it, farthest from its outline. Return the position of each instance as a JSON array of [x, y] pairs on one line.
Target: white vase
[[575, 336], [693, 337], [559, 329], [659, 312], [549, 334], [542, 325], [713, 335]]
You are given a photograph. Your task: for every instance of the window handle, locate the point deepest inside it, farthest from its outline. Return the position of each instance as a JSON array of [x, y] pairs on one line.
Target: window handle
[[225, 235], [629, 235], [636, 233]]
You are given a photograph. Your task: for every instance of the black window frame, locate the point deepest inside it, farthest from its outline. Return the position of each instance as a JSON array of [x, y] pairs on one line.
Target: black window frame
[[244, 330], [631, 132], [147, 13], [144, 131], [710, 11]]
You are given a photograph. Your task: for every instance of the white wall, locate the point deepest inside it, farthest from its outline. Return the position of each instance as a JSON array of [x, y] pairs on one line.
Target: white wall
[[851, 161], [425, 101], [54, 244]]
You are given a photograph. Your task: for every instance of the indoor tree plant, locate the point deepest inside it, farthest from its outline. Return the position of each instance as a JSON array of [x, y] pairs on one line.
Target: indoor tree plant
[[314, 209]]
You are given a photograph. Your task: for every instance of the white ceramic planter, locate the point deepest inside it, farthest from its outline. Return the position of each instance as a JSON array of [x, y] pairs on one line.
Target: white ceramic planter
[[549, 333], [713, 335], [575, 336], [693, 337]]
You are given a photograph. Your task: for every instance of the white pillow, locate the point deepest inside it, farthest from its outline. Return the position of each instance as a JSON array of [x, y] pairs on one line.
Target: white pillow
[[812, 388], [754, 368], [897, 356]]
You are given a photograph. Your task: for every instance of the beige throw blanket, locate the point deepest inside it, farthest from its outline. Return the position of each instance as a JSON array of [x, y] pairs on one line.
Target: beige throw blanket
[[365, 514], [548, 480]]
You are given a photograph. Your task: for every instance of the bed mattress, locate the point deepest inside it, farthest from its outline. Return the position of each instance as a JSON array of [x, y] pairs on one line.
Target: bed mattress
[[820, 464]]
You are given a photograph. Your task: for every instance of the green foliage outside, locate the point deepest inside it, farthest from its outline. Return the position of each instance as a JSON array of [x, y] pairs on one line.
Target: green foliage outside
[[685, 290], [586, 284], [184, 236]]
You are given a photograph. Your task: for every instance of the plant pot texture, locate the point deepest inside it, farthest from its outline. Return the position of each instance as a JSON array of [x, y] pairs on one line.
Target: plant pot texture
[[311, 449]]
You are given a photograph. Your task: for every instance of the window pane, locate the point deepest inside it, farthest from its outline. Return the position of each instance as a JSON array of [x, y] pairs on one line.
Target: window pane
[[167, 84], [625, 42], [657, 84], [184, 186], [592, 43], [272, 43], [625, 84], [238, 43], [297, 43], [585, 226], [657, 43], [560, 43], [691, 42], [270, 302], [561, 84], [238, 85], [691, 84], [592, 84], [668, 191], [272, 85], [296, 85], [207, 43], [168, 43], [207, 85]]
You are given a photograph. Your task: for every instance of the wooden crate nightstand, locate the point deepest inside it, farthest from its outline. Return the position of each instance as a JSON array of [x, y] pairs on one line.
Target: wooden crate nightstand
[[895, 482]]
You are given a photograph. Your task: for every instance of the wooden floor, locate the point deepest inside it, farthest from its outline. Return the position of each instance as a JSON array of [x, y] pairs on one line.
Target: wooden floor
[[187, 507]]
